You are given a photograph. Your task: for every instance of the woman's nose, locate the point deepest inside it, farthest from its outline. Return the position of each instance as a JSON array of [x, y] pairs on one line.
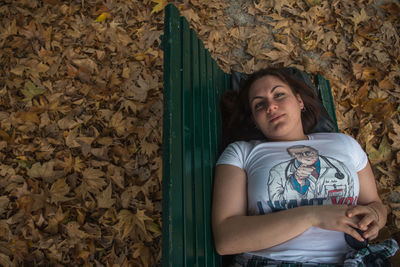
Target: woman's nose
[[272, 106]]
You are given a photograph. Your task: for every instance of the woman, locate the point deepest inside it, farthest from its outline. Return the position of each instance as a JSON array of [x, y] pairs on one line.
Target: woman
[[284, 194]]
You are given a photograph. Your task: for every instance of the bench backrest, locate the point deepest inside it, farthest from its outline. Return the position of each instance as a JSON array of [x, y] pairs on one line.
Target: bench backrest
[[193, 84]]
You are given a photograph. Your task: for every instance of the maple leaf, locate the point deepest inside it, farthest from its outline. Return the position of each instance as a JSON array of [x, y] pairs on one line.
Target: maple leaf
[[116, 174], [103, 17], [149, 148], [143, 252], [395, 137], [104, 200], [118, 123], [127, 220], [359, 17], [4, 201], [5, 260], [58, 191], [93, 179], [191, 16], [45, 171], [18, 70], [74, 232], [31, 90], [160, 5], [381, 154], [28, 116], [10, 30]]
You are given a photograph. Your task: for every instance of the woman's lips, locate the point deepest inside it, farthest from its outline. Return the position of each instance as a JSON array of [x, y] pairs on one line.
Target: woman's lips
[[275, 118]]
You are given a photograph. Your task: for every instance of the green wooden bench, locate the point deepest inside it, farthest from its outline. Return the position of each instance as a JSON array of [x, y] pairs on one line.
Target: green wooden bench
[[193, 85]]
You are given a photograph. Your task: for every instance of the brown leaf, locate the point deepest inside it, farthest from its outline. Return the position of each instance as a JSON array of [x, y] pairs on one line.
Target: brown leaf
[[94, 179], [396, 136], [5, 260], [28, 116], [104, 200], [4, 201], [44, 171], [58, 191], [149, 148], [74, 233], [359, 17], [118, 123]]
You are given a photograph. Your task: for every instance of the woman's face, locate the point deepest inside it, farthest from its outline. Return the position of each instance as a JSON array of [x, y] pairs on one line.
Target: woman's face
[[276, 109]]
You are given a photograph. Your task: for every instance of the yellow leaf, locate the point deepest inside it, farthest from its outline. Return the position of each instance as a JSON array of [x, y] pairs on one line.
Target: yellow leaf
[[383, 153], [103, 16], [160, 5], [139, 56]]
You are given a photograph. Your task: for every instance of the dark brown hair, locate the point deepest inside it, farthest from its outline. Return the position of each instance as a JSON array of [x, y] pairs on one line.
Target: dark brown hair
[[237, 124]]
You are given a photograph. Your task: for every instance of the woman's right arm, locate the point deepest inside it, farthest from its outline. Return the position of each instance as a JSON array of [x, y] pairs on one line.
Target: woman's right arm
[[235, 232]]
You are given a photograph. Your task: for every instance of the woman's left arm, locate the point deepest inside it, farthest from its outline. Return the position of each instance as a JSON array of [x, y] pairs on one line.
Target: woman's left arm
[[370, 208]]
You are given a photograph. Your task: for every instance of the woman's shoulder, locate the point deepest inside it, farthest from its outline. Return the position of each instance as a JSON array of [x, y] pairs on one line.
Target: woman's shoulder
[[244, 144], [330, 136]]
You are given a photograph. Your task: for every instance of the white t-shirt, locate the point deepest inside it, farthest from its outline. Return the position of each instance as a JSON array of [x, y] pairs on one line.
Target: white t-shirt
[[276, 180]]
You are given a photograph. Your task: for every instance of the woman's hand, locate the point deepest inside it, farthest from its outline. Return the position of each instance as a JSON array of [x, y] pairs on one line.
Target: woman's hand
[[334, 217], [372, 218], [370, 210]]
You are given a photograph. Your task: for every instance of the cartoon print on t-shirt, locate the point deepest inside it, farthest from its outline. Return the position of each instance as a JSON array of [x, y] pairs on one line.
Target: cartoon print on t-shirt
[[309, 175]]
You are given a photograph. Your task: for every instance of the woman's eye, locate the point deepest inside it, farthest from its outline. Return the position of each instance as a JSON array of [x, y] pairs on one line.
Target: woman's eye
[[277, 95], [259, 106]]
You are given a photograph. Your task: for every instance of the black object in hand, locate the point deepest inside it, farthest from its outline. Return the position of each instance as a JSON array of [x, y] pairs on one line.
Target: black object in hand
[[354, 243]]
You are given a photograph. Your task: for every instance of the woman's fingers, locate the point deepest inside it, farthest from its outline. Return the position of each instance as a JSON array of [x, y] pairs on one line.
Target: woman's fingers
[[357, 210], [368, 216], [367, 220], [353, 232], [372, 232]]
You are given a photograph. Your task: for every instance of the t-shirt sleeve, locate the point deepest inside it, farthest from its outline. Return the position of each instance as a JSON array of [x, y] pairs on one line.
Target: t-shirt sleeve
[[234, 154], [360, 158]]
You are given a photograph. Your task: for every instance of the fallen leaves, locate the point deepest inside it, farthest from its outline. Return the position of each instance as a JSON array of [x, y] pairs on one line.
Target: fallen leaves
[[81, 107], [78, 80]]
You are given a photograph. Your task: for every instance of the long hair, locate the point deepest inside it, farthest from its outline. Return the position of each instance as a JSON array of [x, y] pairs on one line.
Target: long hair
[[237, 124]]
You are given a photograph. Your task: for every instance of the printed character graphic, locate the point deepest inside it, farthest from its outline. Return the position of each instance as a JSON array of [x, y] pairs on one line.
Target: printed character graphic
[[309, 175]]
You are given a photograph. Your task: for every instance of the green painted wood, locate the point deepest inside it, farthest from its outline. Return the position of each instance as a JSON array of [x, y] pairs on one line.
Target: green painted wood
[[172, 219], [197, 152], [193, 84], [325, 94], [187, 119]]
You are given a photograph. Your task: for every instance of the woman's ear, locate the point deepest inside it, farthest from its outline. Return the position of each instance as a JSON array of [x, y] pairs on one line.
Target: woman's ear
[[300, 100]]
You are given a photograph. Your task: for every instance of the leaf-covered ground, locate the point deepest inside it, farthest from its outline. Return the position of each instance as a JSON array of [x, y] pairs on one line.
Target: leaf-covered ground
[[81, 108]]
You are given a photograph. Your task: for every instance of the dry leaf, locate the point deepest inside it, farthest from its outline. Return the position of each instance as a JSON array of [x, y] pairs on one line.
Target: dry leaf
[[58, 191], [160, 5], [104, 200], [103, 17], [383, 153]]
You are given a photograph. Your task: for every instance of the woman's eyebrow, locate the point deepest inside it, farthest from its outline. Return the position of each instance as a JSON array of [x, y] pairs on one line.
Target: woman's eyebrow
[[272, 90]]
